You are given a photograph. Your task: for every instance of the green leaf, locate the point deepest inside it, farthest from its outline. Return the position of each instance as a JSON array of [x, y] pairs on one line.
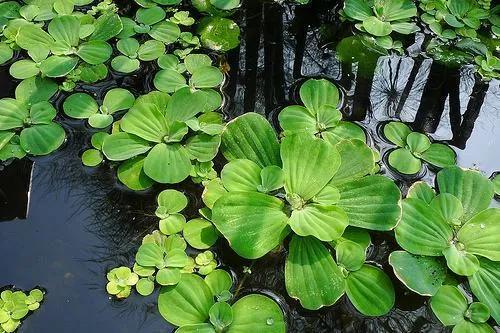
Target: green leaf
[[12, 114], [449, 207], [478, 312], [473, 189], [460, 262], [417, 142], [480, 234], [423, 275], [308, 164], [65, 29], [357, 9], [371, 202], [146, 121], [397, 133], [58, 66], [150, 16], [326, 223], [203, 147], [196, 328], [122, 146], [356, 235], [484, 284], [195, 61], [169, 80], [131, 174], [123, 64], [168, 276], [439, 155], [376, 27], [166, 32], [405, 28], [421, 190], [100, 121], [214, 189], [80, 106], [167, 164], [252, 222], [172, 224], [311, 275], [128, 46], [219, 281], [422, 230], [403, 161], [107, 26], [272, 178], [92, 157], [95, 52], [467, 326], [295, 118], [35, 89], [30, 36], [24, 69], [172, 201], [343, 131], [151, 50], [219, 34], [398, 10], [42, 139], [206, 77], [42, 113], [449, 305], [145, 287], [221, 315], [185, 104], [241, 175], [200, 234], [268, 319], [118, 99], [251, 137], [186, 303], [225, 4], [318, 93], [370, 290], [6, 53], [149, 254], [356, 161], [350, 255]]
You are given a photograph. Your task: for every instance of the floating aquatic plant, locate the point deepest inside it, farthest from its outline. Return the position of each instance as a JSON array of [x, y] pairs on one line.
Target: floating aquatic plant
[[304, 185], [26, 122], [413, 147], [15, 306], [93, 157], [451, 307], [320, 115], [84, 106], [132, 52], [380, 18]]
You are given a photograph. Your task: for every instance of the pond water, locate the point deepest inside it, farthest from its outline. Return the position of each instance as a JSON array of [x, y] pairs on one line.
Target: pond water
[[63, 225]]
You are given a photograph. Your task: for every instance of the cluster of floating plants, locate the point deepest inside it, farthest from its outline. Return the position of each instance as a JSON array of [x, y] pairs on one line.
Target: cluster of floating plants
[[194, 294], [313, 188], [15, 305]]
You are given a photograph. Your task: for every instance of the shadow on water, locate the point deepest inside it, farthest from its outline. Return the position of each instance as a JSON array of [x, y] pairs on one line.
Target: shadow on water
[[65, 225]]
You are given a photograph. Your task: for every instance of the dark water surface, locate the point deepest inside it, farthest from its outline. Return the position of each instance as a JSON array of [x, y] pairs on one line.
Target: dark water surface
[[63, 226]]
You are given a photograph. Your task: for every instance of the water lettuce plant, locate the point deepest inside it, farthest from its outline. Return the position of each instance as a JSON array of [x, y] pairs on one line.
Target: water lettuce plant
[[192, 305], [455, 224], [84, 106], [93, 157], [120, 281], [152, 21], [449, 18], [170, 204], [219, 33], [451, 307], [413, 147], [380, 18], [132, 53], [26, 122], [302, 185], [158, 126], [320, 115], [15, 306]]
